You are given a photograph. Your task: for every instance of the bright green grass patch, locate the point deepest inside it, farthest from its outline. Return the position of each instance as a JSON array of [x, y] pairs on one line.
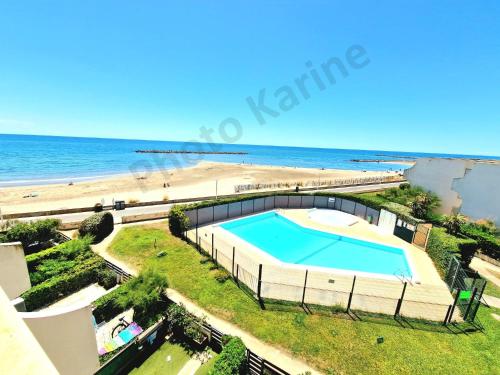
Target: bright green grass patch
[[157, 363], [333, 344]]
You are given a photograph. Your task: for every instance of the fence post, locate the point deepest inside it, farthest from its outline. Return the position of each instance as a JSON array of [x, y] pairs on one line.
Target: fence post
[[232, 268], [199, 243], [456, 273], [253, 205], [454, 304], [216, 258], [213, 214], [259, 282], [400, 301], [314, 200], [196, 235], [305, 285], [227, 215], [350, 294], [288, 201], [301, 201], [445, 322], [238, 274], [212, 246], [470, 303]]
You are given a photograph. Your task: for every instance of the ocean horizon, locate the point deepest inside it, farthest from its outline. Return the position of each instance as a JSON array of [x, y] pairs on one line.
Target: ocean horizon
[[40, 160]]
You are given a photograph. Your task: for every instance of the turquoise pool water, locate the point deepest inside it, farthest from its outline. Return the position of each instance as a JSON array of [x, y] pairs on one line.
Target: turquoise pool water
[[292, 243]]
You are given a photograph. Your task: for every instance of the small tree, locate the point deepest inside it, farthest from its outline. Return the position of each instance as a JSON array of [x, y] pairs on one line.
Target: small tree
[[453, 223], [423, 204], [232, 359]]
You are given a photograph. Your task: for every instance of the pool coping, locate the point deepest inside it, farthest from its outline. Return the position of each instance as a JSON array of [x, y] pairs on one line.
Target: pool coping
[[414, 279]]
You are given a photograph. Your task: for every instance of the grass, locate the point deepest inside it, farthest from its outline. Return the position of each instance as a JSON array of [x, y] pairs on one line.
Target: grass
[[157, 363], [207, 366], [330, 344]]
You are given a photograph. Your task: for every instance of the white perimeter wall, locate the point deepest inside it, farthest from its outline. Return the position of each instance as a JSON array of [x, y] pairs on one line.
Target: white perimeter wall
[[68, 338], [464, 186], [480, 192], [14, 276]]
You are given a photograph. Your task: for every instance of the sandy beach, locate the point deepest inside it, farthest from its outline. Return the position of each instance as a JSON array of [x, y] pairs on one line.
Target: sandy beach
[[199, 180]]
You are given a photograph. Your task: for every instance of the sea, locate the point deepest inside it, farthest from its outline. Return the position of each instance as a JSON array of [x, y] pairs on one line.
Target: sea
[[38, 160]]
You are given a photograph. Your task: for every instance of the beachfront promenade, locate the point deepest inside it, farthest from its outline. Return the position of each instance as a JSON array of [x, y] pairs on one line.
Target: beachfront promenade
[[165, 208]]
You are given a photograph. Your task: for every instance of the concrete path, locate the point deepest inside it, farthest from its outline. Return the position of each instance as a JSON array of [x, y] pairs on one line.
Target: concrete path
[[272, 354], [492, 301], [190, 367], [487, 270]]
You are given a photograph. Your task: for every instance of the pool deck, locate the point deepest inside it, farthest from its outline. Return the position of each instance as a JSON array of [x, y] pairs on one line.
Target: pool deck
[[429, 298]]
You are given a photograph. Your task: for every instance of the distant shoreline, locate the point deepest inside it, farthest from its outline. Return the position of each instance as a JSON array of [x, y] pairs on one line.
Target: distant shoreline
[[191, 152]]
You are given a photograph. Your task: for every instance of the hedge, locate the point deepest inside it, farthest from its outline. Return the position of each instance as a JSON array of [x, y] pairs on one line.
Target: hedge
[[61, 286], [67, 250], [99, 226], [31, 233], [488, 243], [443, 246], [179, 222], [232, 359]]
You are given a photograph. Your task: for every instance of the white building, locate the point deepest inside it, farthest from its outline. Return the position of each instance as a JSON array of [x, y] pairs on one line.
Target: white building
[[466, 186]]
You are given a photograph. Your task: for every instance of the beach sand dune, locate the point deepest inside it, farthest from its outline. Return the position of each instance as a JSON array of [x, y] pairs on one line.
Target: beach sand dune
[[194, 181]]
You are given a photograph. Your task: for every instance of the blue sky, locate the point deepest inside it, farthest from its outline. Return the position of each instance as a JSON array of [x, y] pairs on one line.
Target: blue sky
[[161, 70]]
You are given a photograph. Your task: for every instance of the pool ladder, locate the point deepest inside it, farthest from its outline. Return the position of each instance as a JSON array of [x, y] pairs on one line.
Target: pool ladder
[[401, 276]]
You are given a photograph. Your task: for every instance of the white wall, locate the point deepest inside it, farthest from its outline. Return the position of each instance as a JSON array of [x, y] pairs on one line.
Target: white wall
[[480, 192], [20, 352], [68, 337], [14, 276], [465, 186]]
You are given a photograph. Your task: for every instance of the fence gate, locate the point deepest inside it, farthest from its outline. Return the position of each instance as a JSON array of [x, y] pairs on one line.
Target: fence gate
[[387, 221], [422, 235], [404, 230]]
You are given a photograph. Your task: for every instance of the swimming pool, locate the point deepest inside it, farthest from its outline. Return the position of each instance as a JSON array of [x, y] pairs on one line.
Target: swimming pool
[[292, 243]]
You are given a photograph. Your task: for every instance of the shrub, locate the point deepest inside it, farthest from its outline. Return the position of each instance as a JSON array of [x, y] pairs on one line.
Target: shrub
[[143, 293], [423, 204], [488, 243], [99, 226], [178, 221], [442, 246], [221, 276], [66, 251], [232, 359], [98, 207], [32, 233], [453, 223], [182, 322], [58, 287], [107, 279]]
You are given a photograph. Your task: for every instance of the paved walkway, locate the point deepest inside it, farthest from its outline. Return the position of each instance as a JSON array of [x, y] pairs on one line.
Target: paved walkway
[[487, 270], [270, 353]]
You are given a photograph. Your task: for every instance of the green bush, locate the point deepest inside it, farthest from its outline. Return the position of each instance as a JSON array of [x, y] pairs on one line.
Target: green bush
[[182, 322], [232, 359], [66, 251], [442, 246], [107, 279], [99, 226], [143, 293], [178, 221], [488, 243], [61, 286], [32, 233]]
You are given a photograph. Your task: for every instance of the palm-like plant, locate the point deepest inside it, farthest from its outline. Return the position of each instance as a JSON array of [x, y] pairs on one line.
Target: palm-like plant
[[453, 223]]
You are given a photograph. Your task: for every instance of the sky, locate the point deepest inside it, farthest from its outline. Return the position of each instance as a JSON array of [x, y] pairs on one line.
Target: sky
[[165, 69]]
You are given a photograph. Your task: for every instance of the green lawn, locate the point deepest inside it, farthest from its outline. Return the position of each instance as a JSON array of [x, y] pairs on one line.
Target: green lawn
[[158, 364], [341, 346], [492, 290]]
